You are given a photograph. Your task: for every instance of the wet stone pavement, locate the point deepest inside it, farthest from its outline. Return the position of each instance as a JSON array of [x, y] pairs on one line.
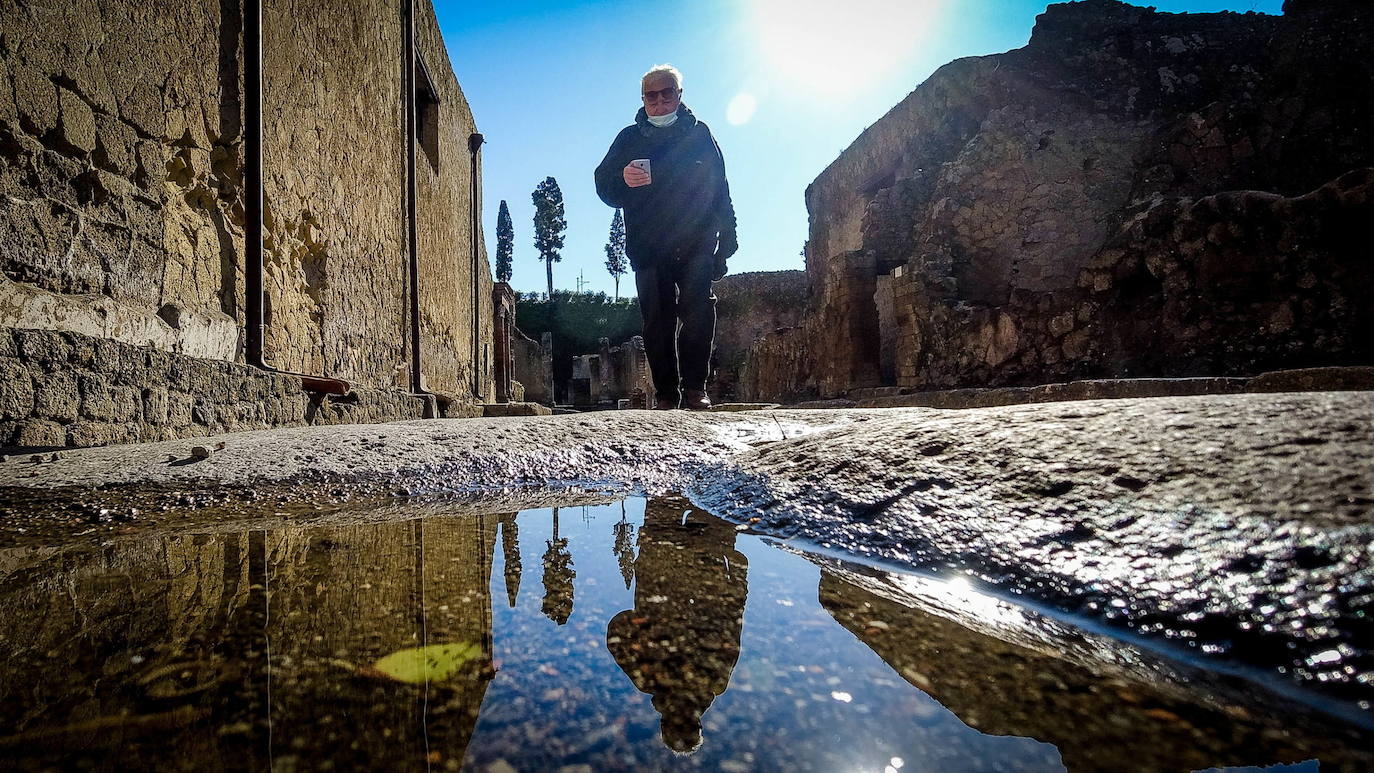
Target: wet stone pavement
[[630, 634]]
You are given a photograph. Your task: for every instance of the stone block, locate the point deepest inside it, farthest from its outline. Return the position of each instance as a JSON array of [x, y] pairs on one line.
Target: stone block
[[203, 412], [155, 406], [1076, 344], [43, 347], [222, 389], [149, 160], [88, 434], [9, 112], [83, 352], [114, 146], [155, 363], [200, 378], [1061, 324], [1314, 379], [36, 99], [179, 408], [295, 408], [76, 123], [41, 432], [52, 178], [126, 404], [107, 356], [56, 395], [16, 391], [503, 409], [95, 397]]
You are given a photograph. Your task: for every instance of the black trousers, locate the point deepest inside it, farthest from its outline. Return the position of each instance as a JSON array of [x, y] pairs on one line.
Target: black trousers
[[678, 288]]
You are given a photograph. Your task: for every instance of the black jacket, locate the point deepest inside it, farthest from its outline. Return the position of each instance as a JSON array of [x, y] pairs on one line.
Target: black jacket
[[687, 204]]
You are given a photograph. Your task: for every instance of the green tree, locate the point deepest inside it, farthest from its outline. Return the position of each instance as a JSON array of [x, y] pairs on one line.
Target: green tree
[[549, 224], [616, 262], [505, 237]]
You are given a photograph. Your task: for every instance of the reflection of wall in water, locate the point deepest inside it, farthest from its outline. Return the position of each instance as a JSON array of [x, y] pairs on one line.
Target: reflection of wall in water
[[1096, 722], [145, 627]]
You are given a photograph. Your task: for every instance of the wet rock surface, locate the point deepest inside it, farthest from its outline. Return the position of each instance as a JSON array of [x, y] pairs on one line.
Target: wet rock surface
[[1230, 526], [311, 472]]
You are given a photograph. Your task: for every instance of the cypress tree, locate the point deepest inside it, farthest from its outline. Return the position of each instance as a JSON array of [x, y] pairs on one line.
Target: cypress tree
[[616, 262], [549, 224], [505, 237]]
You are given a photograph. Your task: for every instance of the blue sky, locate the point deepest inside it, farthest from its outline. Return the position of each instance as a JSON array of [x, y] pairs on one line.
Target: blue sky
[[785, 85]]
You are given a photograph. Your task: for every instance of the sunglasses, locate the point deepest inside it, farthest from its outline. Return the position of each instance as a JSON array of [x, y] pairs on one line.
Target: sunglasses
[[664, 94]]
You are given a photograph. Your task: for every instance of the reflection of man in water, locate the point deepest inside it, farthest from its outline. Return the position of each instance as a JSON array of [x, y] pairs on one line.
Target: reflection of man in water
[[681, 641]]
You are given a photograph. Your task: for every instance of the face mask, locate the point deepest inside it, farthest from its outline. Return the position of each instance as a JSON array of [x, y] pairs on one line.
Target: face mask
[[663, 120]]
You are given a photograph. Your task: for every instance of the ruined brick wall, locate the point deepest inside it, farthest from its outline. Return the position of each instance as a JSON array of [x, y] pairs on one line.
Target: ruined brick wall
[[121, 187], [748, 307], [1077, 208]]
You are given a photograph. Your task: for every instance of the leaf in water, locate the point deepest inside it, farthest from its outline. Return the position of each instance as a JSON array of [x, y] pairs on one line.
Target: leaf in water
[[434, 663]]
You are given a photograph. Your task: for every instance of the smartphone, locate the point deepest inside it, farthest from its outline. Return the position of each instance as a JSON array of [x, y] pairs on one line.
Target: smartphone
[[642, 163]]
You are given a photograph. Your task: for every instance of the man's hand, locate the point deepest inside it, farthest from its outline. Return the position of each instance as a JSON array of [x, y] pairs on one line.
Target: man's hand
[[726, 247], [634, 176]]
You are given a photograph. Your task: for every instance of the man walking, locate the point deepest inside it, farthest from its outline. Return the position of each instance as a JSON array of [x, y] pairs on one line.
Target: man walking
[[667, 173]]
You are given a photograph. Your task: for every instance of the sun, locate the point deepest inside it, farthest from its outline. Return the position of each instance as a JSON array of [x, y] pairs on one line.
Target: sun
[[837, 47]]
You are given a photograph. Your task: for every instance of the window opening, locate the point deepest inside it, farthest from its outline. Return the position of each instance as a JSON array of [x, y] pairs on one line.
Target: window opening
[[426, 114]]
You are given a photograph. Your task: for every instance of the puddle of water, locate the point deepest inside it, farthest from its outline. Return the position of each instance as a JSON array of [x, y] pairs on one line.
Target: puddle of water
[[634, 635]]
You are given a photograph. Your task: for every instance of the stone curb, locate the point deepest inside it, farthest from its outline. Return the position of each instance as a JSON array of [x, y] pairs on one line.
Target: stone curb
[[1358, 378]]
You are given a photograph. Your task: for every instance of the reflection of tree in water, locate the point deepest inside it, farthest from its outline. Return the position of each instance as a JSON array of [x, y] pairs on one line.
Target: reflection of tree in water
[[680, 643], [558, 577], [510, 552], [623, 546]]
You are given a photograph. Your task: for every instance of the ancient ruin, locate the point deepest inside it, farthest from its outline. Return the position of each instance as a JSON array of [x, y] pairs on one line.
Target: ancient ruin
[[1074, 473], [751, 306], [1132, 194], [134, 302]]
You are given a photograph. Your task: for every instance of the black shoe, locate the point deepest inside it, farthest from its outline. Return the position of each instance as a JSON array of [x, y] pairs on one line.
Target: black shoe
[[665, 404], [697, 401]]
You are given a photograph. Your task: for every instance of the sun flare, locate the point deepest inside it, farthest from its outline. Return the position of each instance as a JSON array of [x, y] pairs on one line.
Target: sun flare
[[741, 109], [838, 47]]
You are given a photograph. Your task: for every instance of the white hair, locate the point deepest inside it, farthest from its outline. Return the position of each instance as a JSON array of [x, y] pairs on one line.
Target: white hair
[[663, 69]]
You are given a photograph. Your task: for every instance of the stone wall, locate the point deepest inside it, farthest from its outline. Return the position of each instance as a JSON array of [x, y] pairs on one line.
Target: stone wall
[[65, 389], [1133, 193], [121, 187], [455, 279], [779, 367], [120, 175], [748, 307], [533, 363], [613, 374], [334, 228]]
